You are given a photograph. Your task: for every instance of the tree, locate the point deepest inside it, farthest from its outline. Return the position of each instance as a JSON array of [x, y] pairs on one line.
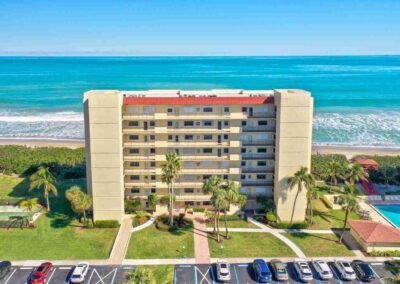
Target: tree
[[210, 186], [139, 275], [388, 174], [356, 173], [335, 172], [301, 179], [29, 205], [152, 199], [43, 178], [348, 201], [170, 172], [80, 201], [312, 194]]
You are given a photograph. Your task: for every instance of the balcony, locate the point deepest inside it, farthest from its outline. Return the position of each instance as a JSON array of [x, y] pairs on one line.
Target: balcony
[[261, 115], [197, 129], [259, 156], [258, 142], [258, 170], [258, 129], [257, 182]]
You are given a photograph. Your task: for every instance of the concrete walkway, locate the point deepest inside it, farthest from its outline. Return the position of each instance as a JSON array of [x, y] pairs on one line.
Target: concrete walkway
[[145, 225], [268, 230], [159, 261], [121, 242], [201, 249]]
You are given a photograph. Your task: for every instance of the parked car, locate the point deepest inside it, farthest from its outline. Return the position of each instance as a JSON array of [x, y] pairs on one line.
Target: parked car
[[79, 272], [279, 270], [303, 270], [363, 270], [261, 271], [323, 269], [223, 271], [5, 267], [41, 273], [346, 272]]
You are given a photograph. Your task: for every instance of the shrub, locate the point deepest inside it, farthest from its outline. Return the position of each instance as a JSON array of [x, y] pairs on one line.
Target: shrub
[[271, 217], [266, 203], [138, 275], [89, 224], [393, 253], [131, 205], [319, 164], [284, 225], [106, 224], [199, 209]]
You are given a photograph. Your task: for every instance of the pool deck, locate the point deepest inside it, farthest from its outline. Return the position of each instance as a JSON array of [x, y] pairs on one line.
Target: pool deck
[[375, 214]]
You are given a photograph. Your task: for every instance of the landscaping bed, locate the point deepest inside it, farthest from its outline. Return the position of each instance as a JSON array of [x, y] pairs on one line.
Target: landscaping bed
[[233, 221]]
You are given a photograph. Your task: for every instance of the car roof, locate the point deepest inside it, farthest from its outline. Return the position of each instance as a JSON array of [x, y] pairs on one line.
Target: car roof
[[323, 264], [78, 269], [263, 265]]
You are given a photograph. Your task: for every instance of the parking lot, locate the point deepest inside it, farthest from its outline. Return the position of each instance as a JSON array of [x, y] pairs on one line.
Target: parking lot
[[61, 274], [242, 273]]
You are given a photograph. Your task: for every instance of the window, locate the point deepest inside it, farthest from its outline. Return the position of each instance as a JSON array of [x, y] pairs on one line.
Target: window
[[133, 137], [261, 190], [189, 203], [207, 123], [189, 109], [152, 137], [207, 137], [262, 122], [244, 109], [189, 190], [206, 177], [188, 137], [198, 123], [226, 136], [149, 110], [261, 150], [244, 123], [134, 151], [133, 123], [188, 123], [261, 163], [243, 163], [135, 177], [153, 177], [169, 137], [208, 109], [170, 109], [152, 123], [134, 164], [207, 150], [169, 123], [225, 177], [206, 203], [135, 190], [261, 176], [226, 109], [243, 150], [152, 164], [226, 150], [152, 150], [226, 123], [243, 177], [153, 190]]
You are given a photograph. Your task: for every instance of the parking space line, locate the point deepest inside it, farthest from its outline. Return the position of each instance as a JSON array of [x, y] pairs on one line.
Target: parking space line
[[9, 277], [336, 275], [26, 268], [65, 267], [236, 275], [109, 273], [204, 275], [174, 276], [195, 275], [51, 275], [212, 274]]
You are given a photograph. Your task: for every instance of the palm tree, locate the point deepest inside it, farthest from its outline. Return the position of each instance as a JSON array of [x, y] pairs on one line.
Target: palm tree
[[80, 201], [43, 178], [210, 186], [232, 196], [355, 173], [152, 199], [300, 179], [349, 203], [29, 205], [219, 202], [335, 171], [312, 194], [170, 172]]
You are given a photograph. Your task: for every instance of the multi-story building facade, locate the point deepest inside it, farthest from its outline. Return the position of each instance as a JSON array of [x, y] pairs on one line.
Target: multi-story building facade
[[255, 138]]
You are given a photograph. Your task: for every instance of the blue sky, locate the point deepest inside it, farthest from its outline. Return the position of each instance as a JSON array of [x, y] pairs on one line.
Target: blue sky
[[200, 27]]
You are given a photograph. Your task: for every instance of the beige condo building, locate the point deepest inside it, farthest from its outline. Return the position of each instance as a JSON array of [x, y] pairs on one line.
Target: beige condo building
[[255, 138]]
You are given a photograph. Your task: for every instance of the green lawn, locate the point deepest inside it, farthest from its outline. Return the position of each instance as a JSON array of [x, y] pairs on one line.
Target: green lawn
[[249, 245], [163, 274], [239, 223], [57, 234], [325, 218], [319, 244], [153, 243]]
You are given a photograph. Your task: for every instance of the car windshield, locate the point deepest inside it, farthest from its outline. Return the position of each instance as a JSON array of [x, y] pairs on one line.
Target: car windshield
[[76, 276], [223, 265], [36, 276], [41, 268], [224, 273], [281, 271], [265, 274], [366, 268]]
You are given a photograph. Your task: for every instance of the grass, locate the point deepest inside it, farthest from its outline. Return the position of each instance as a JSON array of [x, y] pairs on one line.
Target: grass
[[249, 245], [153, 243], [319, 244], [325, 218], [163, 274], [238, 223], [57, 234]]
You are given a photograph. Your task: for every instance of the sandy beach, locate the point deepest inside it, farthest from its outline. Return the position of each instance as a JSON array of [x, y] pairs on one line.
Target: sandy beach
[[348, 151]]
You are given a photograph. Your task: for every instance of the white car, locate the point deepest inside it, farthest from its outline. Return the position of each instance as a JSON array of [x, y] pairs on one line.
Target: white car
[[323, 269], [303, 270], [223, 271], [79, 273], [346, 272]]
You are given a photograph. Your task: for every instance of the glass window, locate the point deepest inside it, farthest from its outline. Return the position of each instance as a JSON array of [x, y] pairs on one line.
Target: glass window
[[261, 176], [149, 110], [189, 190], [208, 109], [243, 150], [153, 177], [226, 123], [134, 164], [189, 109], [170, 109], [152, 137], [261, 150], [133, 123], [134, 151], [188, 137], [207, 123], [169, 137], [135, 190], [243, 177], [152, 150], [152, 123], [152, 164], [226, 136], [244, 109], [262, 122], [244, 123], [225, 177], [153, 190], [207, 150], [207, 137], [226, 109], [133, 137], [261, 163], [188, 123], [226, 150], [243, 163], [169, 123], [135, 177]]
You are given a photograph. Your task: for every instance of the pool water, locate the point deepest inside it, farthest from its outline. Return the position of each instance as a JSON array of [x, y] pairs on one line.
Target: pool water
[[391, 212]]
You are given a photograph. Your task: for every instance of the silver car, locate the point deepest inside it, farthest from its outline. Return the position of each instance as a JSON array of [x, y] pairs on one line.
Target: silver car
[[223, 271], [323, 269], [346, 272], [303, 270], [279, 270], [79, 273]]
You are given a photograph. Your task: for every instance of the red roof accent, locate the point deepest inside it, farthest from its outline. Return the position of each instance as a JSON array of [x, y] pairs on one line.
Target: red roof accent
[[368, 164], [374, 232], [198, 100]]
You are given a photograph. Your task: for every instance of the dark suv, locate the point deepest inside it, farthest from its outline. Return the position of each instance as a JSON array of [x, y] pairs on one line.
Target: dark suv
[[364, 270], [5, 267]]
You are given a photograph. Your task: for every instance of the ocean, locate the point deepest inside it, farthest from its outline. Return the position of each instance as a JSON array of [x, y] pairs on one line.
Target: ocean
[[357, 98]]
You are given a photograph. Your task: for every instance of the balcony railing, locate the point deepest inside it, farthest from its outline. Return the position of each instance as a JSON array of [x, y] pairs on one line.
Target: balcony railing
[[257, 182], [257, 142], [259, 156], [258, 128], [258, 170], [261, 115]]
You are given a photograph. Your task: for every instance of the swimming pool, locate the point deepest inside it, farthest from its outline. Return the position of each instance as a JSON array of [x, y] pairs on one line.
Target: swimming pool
[[391, 212]]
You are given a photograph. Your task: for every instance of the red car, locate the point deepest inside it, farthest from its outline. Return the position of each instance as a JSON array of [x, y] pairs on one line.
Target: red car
[[41, 273]]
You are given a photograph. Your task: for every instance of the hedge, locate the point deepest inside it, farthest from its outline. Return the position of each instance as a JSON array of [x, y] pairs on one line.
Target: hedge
[[199, 209], [297, 226], [385, 253], [106, 224], [63, 162]]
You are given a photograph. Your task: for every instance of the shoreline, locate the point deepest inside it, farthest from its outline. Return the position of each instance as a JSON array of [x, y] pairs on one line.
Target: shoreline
[[347, 150]]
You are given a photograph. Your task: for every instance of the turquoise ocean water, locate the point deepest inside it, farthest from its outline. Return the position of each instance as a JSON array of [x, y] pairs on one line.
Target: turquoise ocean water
[[357, 98]]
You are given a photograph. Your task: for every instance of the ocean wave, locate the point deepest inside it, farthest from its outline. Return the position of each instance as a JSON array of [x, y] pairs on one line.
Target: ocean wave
[[67, 116]]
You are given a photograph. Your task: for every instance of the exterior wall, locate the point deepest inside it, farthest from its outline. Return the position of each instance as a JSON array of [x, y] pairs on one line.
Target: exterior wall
[[103, 131], [293, 150], [369, 247]]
